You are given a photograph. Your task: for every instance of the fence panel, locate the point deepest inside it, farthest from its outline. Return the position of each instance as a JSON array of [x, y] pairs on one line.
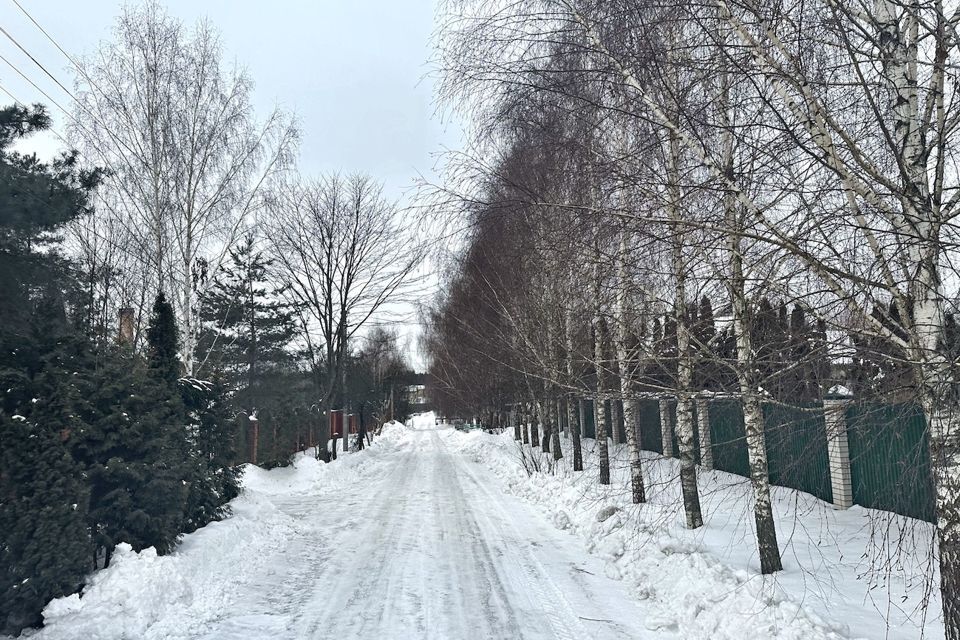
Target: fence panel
[[590, 420], [797, 449], [889, 459], [728, 437], [649, 417]]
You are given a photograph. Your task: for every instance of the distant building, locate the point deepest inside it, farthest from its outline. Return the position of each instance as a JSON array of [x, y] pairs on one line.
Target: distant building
[[416, 394]]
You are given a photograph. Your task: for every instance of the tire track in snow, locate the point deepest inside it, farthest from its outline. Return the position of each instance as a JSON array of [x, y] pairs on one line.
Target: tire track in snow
[[547, 594], [422, 547]]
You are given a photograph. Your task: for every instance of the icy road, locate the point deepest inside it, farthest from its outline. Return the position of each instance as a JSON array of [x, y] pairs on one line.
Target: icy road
[[431, 548]]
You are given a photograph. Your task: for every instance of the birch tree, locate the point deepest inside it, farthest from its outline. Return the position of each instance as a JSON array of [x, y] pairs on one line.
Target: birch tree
[[188, 160]]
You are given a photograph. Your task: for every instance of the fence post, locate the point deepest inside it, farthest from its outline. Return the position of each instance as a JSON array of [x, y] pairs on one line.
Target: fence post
[[703, 427], [666, 427], [336, 428], [838, 451]]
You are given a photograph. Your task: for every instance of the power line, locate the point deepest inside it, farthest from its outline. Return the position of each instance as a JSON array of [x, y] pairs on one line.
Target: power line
[[71, 59], [36, 86], [36, 62], [49, 37], [122, 147]]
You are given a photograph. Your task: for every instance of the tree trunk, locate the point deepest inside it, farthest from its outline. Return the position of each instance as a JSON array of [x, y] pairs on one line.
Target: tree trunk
[[680, 268], [515, 416], [626, 368], [688, 464], [603, 453], [533, 425], [616, 425], [760, 482], [546, 426], [575, 415], [631, 422], [524, 426], [944, 448], [554, 410], [752, 418]]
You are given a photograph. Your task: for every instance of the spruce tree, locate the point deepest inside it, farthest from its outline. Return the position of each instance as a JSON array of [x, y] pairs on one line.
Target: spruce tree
[[162, 341], [769, 338], [799, 381], [706, 373], [45, 547], [248, 328], [214, 473], [137, 456], [880, 367]]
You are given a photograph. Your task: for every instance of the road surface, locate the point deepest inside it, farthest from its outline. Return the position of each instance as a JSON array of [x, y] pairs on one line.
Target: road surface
[[432, 548]]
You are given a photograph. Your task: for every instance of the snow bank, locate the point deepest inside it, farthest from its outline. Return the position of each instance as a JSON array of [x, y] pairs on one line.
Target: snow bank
[[142, 595], [706, 583], [139, 589]]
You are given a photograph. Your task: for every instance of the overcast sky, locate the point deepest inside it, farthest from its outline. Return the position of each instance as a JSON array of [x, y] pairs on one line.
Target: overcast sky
[[354, 72]]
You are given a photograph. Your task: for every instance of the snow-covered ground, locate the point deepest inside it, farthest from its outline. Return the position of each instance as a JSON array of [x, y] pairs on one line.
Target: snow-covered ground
[[433, 533], [856, 573], [407, 539]]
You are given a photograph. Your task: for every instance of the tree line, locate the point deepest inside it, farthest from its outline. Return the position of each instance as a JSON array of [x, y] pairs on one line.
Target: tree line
[[171, 272], [791, 165]]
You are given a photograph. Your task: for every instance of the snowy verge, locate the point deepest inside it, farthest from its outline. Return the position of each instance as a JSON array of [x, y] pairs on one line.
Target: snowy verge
[[143, 595], [706, 583]]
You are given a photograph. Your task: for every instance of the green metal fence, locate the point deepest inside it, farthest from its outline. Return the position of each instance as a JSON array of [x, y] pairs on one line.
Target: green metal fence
[[728, 438], [890, 460], [888, 444], [650, 439], [797, 448], [589, 420]]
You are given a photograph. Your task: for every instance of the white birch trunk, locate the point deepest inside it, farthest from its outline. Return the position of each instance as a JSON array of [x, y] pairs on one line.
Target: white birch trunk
[[627, 385]]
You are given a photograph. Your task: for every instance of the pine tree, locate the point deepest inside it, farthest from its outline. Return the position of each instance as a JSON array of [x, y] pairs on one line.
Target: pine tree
[[45, 548], [136, 455], [163, 340], [248, 329], [214, 474]]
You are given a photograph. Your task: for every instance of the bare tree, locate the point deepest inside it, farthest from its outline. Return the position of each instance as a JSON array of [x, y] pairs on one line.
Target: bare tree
[[188, 161], [348, 256]]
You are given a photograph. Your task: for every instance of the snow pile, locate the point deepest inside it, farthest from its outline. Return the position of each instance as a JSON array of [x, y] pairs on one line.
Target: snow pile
[[706, 583], [142, 595], [140, 589]]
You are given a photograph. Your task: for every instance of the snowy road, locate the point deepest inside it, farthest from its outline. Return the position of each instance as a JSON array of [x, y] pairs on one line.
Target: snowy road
[[430, 549]]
